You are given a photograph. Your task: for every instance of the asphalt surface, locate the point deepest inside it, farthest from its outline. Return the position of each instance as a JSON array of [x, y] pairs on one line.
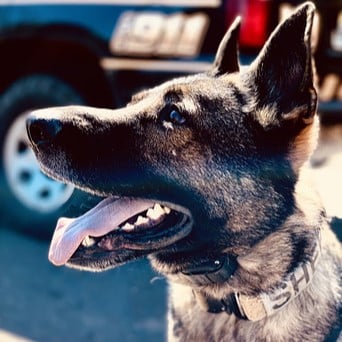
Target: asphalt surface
[[40, 302]]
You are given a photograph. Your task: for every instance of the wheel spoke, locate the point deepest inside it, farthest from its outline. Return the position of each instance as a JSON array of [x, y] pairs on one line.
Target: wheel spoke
[[25, 160]]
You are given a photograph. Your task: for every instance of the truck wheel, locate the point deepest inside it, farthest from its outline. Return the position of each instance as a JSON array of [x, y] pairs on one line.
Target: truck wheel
[[30, 201]]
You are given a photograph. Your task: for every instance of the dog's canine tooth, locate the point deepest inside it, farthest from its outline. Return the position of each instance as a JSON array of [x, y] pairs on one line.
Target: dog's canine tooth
[[88, 241]]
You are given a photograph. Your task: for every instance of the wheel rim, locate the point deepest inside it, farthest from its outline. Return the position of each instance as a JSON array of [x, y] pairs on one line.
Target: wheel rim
[[29, 185]]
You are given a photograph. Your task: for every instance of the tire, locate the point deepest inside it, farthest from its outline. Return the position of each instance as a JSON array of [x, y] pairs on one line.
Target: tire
[[30, 201]]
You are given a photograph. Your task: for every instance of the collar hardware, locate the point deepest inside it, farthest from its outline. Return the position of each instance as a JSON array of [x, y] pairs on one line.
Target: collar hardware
[[208, 272], [212, 305]]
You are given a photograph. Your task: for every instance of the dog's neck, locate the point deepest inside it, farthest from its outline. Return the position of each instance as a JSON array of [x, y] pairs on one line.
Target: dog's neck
[[253, 308]]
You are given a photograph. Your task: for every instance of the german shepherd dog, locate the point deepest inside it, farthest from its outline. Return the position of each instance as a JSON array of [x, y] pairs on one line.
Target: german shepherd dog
[[206, 176]]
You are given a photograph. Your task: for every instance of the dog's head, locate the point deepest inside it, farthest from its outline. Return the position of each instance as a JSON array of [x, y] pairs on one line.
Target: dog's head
[[195, 167]]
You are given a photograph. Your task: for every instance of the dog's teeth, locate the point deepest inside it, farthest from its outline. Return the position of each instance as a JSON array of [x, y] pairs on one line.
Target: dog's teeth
[[142, 221], [156, 214], [127, 227], [153, 215], [158, 208], [88, 241], [149, 213], [167, 210]]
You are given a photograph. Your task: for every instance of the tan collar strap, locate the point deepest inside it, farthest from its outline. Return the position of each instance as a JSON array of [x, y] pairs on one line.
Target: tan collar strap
[[255, 308]]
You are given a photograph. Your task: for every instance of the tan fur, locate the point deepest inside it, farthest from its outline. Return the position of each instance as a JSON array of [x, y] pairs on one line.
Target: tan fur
[[304, 144], [266, 116]]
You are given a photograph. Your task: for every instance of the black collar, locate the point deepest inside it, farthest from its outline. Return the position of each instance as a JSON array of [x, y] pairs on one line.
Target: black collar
[[212, 271], [254, 308]]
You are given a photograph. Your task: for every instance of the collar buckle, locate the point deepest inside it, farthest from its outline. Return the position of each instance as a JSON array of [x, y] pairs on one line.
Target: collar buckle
[[215, 271]]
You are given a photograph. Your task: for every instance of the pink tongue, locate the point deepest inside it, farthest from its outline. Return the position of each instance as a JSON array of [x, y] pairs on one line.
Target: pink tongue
[[102, 219]]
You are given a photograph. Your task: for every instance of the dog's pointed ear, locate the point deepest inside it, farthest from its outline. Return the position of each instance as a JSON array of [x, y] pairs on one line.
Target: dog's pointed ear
[[282, 74], [227, 57]]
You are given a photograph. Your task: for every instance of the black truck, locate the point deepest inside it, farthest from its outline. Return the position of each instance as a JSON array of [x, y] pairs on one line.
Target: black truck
[[99, 53]]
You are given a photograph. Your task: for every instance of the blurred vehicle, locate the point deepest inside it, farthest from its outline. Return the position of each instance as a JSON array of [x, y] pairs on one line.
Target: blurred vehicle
[[98, 53]]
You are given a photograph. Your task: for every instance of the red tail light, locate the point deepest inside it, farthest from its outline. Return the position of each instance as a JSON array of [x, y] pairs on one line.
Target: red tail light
[[255, 20]]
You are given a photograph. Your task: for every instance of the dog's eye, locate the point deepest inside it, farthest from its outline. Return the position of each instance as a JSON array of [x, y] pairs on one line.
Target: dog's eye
[[176, 117], [172, 116]]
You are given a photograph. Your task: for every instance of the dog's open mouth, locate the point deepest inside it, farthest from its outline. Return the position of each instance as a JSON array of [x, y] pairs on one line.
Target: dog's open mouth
[[118, 230]]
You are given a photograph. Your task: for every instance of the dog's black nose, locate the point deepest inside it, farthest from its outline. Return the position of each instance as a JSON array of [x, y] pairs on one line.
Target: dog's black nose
[[41, 130]]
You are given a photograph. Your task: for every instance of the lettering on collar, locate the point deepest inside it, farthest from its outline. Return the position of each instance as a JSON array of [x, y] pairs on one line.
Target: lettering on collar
[[258, 307]]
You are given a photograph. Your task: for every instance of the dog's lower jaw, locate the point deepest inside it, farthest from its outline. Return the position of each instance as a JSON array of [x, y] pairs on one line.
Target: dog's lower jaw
[[116, 231]]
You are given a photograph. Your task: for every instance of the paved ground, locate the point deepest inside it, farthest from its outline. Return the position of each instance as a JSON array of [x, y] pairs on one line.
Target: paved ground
[[43, 303]]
